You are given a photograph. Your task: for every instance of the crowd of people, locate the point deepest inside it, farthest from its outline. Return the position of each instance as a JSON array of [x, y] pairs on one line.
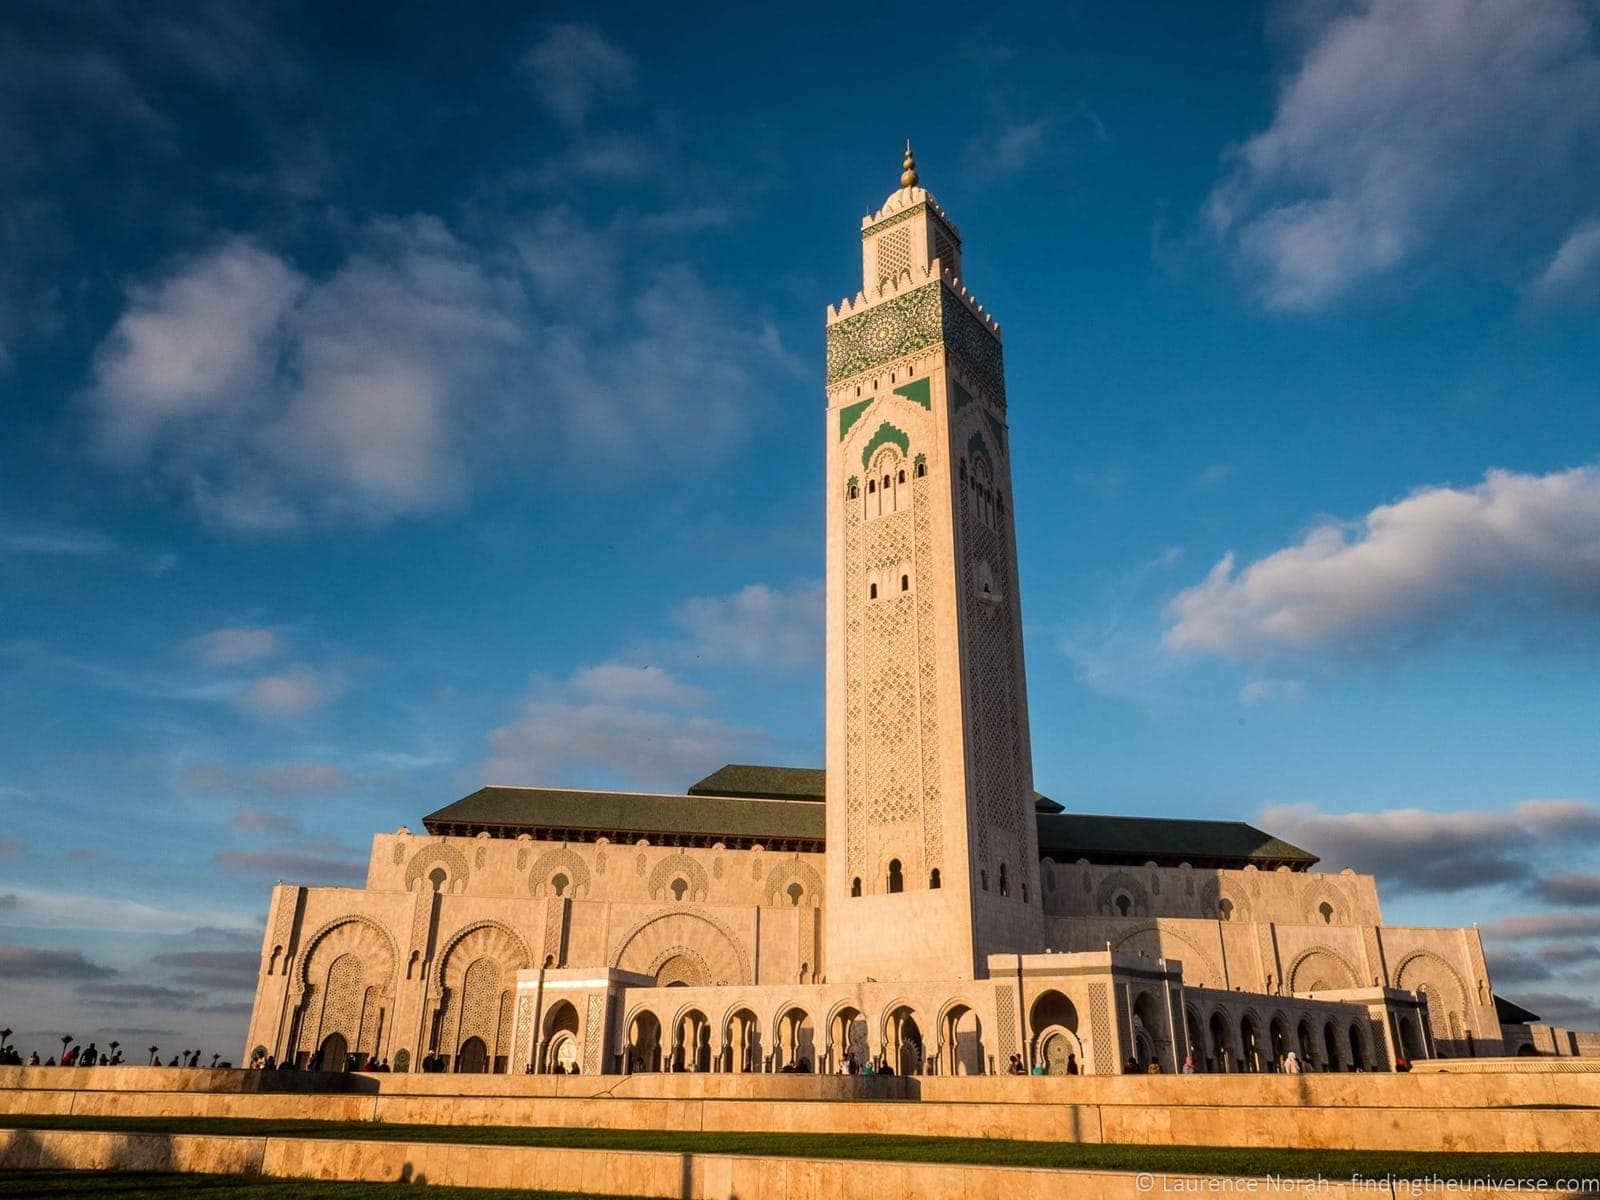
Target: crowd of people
[[74, 1055]]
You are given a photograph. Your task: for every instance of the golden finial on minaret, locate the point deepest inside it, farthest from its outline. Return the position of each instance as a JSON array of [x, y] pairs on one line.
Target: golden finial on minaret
[[908, 176]]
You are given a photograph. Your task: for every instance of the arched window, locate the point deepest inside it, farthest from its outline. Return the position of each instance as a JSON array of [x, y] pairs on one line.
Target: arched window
[[933, 879], [897, 881], [963, 470], [1024, 893], [794, 893], [437, 878], [854, 492], [872, 591], [558, 884], [901, 476], [922, 469], [679, 887], [1005, 884], [1123, 904], [886, 483], [905, 583], [1225, 910], [1326, 910], [872, 485], [983, 880], [855, 886]]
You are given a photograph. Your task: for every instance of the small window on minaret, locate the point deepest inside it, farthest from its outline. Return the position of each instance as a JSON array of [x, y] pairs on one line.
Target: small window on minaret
[[897, 882], [885, 483], [855, 886], [872, 485], [872, 591], [1005, 885], [963, 470], [901, 477], [905, 583], [922, 469], [983, 880], [933, 879]]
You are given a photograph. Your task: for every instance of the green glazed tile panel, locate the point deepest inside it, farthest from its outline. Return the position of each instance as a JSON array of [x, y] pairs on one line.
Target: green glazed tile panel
[[850, 414], [886, 433], [918, 391], [907, 323]]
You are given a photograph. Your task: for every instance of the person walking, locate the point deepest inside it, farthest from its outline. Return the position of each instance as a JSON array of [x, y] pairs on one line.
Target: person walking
[[1291, 1063]]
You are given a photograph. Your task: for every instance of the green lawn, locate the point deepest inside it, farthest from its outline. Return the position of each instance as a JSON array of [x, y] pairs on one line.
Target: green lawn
[[1194, 1160], [141, 1185]]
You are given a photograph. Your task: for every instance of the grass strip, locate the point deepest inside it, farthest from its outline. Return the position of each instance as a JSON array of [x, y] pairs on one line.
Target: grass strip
[[1171, 1160], [146, 1185]]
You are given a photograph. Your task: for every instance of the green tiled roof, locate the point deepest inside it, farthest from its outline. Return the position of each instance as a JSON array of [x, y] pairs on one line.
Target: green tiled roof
[[1163, 840], [763, 783], [510, 810], [743, 804]]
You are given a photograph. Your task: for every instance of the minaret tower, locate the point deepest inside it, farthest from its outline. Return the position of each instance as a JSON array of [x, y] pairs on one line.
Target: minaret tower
[[933, 859]]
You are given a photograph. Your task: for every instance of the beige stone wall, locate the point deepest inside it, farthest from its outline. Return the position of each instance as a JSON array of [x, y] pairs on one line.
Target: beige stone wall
[[1283, 896]]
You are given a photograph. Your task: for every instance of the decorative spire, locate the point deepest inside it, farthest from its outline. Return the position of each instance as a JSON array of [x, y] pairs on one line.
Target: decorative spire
[[908, 176]]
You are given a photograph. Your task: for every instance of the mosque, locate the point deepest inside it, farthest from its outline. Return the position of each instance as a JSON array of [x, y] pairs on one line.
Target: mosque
[[917, 904]]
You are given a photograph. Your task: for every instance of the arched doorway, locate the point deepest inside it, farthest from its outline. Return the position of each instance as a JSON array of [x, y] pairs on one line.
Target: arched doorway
[[644, 1042], [1149, 1033], [1308, 1045], [473, 1058], [334, 1052], [1330, 1043], [691, 1042], [795, 1047], [1222, 1042], [1250, 1043], [1358, 1057], [1197, 1039], [742, 1043], [1278, 1037], [903, 1041], [1410, 1040], [961, 1042], [560, 1030], [1053, 1027], [847, 1039]]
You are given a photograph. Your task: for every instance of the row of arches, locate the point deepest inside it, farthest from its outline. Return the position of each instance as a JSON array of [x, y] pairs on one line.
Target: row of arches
[[1227, 1044]]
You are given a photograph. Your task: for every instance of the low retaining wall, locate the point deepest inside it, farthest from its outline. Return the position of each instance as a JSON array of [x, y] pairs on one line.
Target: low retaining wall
[[635, 1173]]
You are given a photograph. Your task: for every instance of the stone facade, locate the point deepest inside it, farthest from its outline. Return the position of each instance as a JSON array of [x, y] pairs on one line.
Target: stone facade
[[938, 932]]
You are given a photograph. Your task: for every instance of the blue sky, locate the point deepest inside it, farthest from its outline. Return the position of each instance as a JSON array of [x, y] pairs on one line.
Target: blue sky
[[395, 404]]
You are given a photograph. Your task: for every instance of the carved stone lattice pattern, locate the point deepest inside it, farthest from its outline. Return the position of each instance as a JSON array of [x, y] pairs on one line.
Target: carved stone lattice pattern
[[594, 1033], [889, 679], [1105, 1062], [905, 214], [1116, 884], [1005, 999], [480, 856], [521, 1045], [421, 913], [680, 965], [894, 255], [600, 863], [341, 997], [555, 913], [1431, 976], [441, 855], [655, 937], [283, 925], [399, 853], [522, 857], [995, 747], [502, 1036], [790, 873], [561, 861], [480, 1002], [481, 939], [928, 680], [855, 760], [1321, 969], [367, 1043], [639, 864], [679, 866], [1375, 969], [1269, 953]]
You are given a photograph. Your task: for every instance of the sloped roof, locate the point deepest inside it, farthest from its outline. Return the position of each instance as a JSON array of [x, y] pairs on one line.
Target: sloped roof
[[1165, 841], [567, 814], [763, 783], [742, 804], [1509, 1012]]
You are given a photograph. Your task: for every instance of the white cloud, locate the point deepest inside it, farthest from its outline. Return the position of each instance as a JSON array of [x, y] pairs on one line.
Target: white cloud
[[1213, 476], [234, 646], [1534, 926], [1574, 272], [40, 908], [292, 692], [1259, 691], [757, 626], [383, 390], [640, 726], [1515, 544], [58, 543], [1417, 850], [1400, 114], [1010, 148], [277, 780], [573, 67]]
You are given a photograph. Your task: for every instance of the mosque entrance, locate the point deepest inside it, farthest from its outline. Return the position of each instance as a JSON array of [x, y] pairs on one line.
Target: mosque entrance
[[1058, 1047], [335, 1050], [474, 1057]]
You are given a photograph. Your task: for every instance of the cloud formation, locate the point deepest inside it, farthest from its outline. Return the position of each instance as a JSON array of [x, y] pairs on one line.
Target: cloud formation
[[1398, 116], [276, 780], [292, 692], [234, 646], [574, 66], [638, 725], [301, 868], [1413, 850], [757, 626], [1516, 545], [1574, 273], [29, 962]]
